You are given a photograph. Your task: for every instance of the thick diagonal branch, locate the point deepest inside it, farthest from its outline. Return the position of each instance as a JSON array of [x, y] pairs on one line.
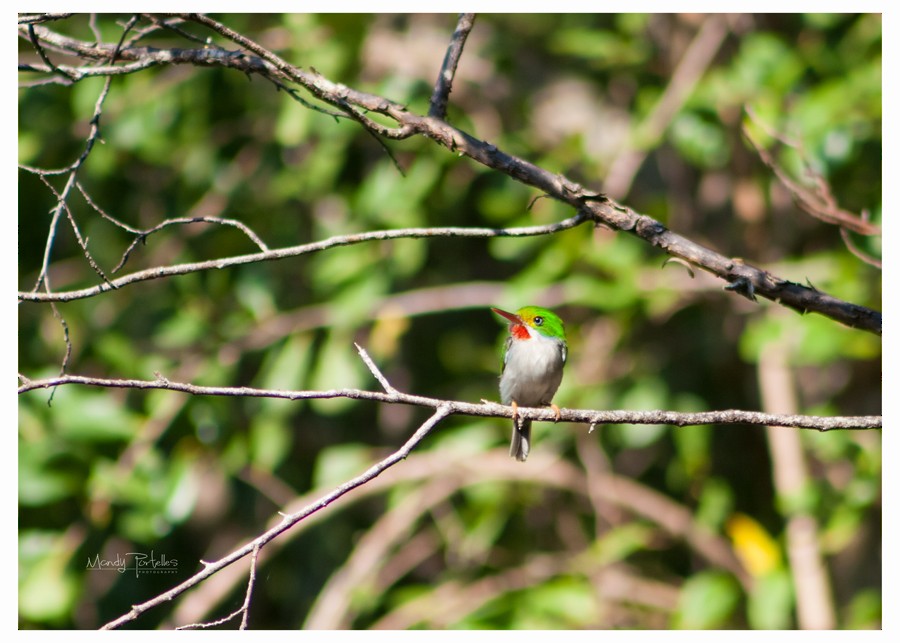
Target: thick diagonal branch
[[742, 278]]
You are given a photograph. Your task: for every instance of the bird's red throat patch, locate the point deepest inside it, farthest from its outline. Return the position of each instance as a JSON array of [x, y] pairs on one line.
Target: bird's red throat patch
[[519, 331]]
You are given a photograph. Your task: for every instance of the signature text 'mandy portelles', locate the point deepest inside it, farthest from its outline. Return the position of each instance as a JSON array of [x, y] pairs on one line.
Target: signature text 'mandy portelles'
[[137, 562]]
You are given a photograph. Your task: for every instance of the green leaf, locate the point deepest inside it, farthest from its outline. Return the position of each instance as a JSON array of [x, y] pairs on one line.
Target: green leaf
[[100, 417], [602, 48], [270, 442], [708, 601], [701, 141], [770, 605], [340, 463], [716, 504], [564, 602], [47, 589], [864, 611], [619, 543]]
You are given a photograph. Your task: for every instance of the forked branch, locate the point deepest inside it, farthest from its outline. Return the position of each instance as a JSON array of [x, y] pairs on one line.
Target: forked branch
[[252, 58]]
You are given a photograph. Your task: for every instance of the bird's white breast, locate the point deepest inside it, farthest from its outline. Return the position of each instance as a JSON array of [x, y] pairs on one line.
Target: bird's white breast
[[532, 371]]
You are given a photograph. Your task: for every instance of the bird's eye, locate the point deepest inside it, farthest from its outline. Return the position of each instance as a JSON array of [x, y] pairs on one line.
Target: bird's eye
[[539, 321]]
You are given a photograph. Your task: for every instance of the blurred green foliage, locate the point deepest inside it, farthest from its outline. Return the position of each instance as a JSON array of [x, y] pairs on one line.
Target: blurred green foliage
[[488, 543]]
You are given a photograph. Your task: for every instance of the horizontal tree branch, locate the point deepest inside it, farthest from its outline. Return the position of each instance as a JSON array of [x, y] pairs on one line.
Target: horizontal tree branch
[[483, 409], [442, 409], [295, 251], [743, 278]]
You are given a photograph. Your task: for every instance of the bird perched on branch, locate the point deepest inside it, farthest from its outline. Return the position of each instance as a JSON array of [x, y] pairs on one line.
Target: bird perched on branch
[[533, 360]]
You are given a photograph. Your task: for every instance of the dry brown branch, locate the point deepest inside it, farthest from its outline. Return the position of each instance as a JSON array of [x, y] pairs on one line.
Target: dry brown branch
[[545, 470], [295, 251], [485, 408], [742, 278], [243, 610], [287, 521], [819, 202], [672, 518], [444, 83]]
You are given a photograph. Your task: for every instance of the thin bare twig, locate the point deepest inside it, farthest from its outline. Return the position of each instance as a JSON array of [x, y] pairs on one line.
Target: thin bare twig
[[143, 234], [444, 83], [388, 388], [94, 27], [244, 609], [168, 25], [858, 252], [103, 213], [287, 521], [342, 240], [62, 197], [82, 241], [94, 134], [43, 55], [251, 581], [68, 343], [821, 204], [43, 278], [205, 625]]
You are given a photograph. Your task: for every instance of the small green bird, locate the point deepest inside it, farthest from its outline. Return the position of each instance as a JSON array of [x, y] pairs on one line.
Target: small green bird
[[533, 361]]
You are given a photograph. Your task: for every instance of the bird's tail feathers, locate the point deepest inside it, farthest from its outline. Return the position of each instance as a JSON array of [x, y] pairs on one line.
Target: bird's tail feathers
[[521, 440]]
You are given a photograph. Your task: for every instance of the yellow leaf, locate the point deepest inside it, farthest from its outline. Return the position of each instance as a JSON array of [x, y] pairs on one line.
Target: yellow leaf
[[756, 549]]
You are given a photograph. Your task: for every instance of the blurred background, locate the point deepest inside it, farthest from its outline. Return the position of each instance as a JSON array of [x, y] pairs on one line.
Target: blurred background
[[621, 527]]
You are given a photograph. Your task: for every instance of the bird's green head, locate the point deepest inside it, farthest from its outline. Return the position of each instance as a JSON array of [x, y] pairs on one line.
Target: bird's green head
[[541, 320]]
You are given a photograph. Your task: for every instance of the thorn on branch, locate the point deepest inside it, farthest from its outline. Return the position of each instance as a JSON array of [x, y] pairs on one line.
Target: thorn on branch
[[681, 261], [743, 287]]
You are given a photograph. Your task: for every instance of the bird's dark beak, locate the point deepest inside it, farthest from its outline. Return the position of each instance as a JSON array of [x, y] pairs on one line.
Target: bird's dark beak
[[510, 316]]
